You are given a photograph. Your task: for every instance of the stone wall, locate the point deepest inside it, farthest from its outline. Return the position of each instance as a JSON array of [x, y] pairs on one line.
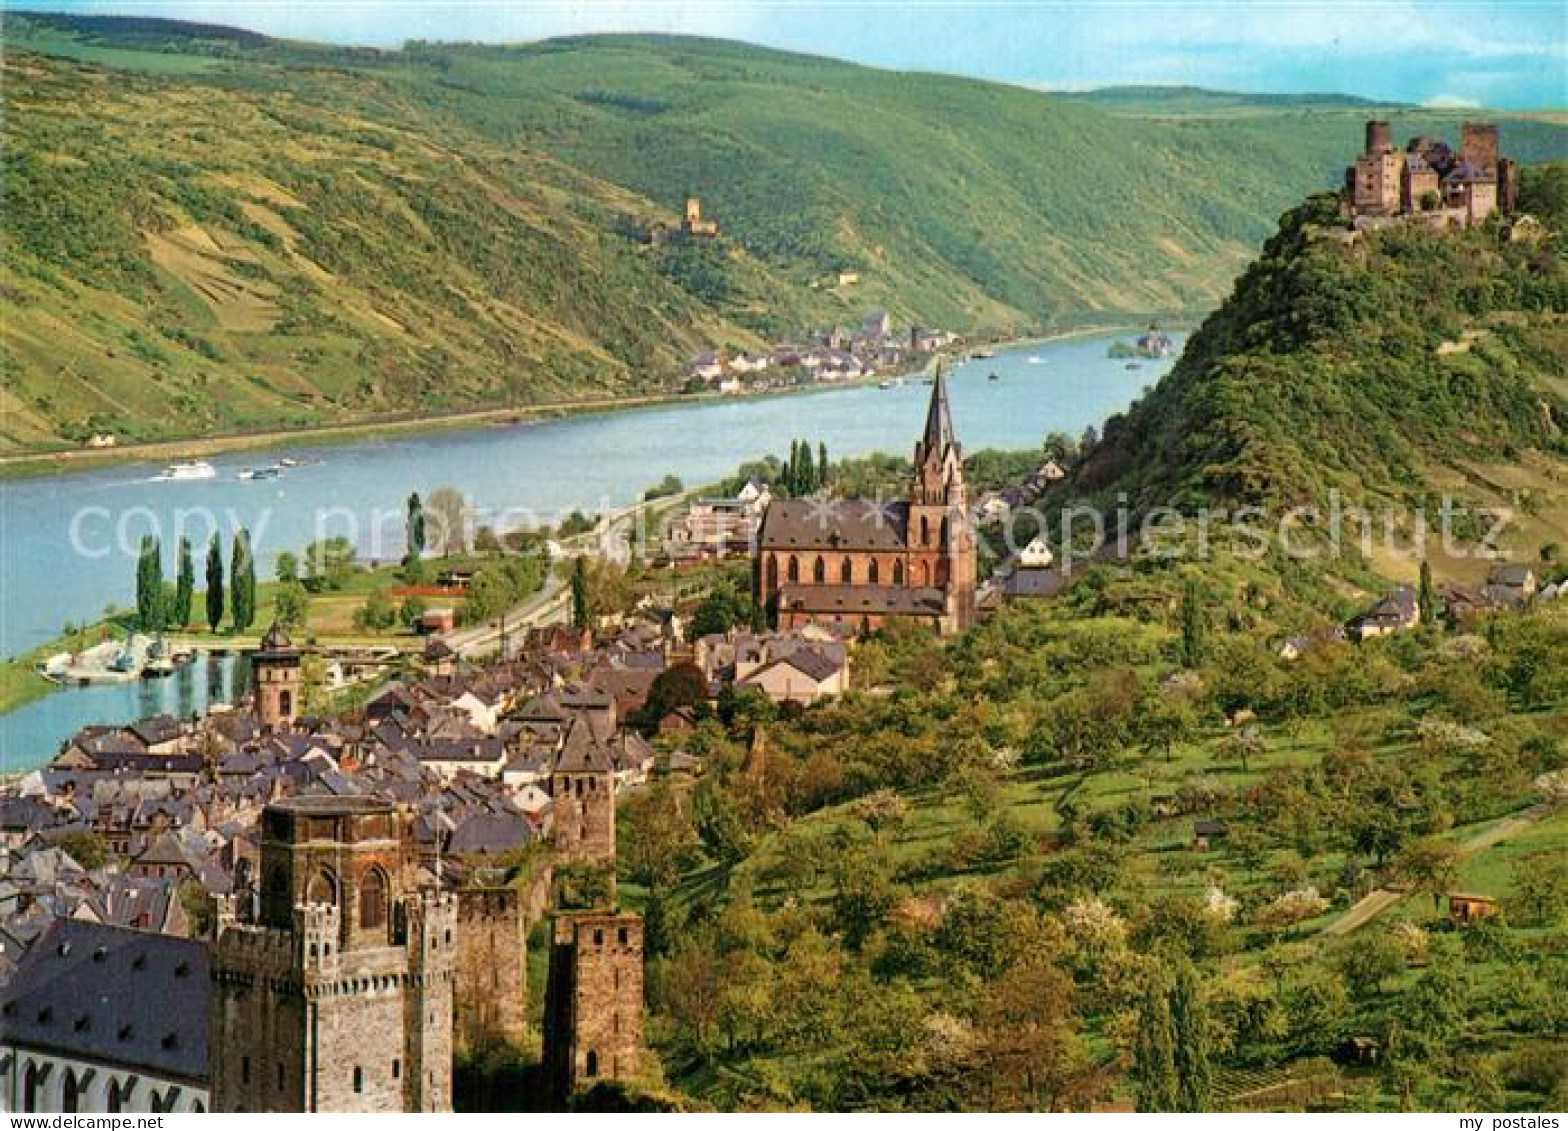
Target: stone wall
[[491, 976]]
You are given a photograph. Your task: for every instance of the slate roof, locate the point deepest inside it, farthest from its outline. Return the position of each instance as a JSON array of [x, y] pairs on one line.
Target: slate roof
[[583, 752], [886, 600], [1034, 583], [113, 995], [839, 524]]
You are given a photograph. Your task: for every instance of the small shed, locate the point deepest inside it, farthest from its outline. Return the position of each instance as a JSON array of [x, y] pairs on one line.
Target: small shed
[[1465, 908], [437, 620]]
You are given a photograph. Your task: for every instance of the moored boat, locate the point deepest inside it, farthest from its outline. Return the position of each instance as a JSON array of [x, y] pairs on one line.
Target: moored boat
[[189, 469]]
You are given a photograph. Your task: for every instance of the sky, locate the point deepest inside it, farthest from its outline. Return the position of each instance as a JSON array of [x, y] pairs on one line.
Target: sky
[[1510, 53]]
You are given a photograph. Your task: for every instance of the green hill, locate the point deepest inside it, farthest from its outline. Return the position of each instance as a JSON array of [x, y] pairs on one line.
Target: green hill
[[1396, 367], [282, 234]]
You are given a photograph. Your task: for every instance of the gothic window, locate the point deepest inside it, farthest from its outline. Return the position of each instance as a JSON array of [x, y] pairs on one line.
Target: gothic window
[[794, 569], [874, 574], [898, 573], [773, 573], [323, 888], [925, 531], [819, 572], [844, 572], [592, 1066], [373, 899], [944, 532]]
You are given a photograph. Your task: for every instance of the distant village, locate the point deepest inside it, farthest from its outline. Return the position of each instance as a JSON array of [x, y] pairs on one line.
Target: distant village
[[825, 356]]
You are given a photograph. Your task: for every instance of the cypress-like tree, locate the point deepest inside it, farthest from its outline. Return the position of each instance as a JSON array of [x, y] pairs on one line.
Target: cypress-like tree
[[581, 614], [214, 583], [184, 587], [1426, 595], [1154, 1050], [242, 582], [416, 526], [1190, 1021], [807, 473], [1193, 625], [822, 464], [149, 585]]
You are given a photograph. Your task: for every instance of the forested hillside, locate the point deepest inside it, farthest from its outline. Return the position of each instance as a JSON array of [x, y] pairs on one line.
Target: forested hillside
[[285, 233]]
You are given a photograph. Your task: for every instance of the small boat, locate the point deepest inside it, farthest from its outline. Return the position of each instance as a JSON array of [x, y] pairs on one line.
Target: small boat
[[124, 662], [189, 469], [261, 473], [884, 384], [288, 461], [1134, 365], [1036, 359], [992, 377], [984, 353]]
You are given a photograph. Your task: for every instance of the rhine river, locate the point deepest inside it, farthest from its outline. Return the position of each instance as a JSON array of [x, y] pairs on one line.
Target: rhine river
[[68, 542]]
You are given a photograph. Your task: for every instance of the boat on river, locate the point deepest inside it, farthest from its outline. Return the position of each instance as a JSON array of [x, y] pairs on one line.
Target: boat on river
[[261, 473], [189, 469]]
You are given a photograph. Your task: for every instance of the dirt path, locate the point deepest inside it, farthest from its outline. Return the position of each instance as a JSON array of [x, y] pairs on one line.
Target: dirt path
[[1373, 904]]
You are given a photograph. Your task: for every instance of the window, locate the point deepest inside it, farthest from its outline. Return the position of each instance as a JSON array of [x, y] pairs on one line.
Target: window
[[898, 573], [773, 573], [925, 530], [359, 1079], [621, 936], [874, 574], [819, 572], [285, 702], [598, 937], [373, 899], [591, 1067], [323, 888], [397, 1069], [244, 1070], [794, 568], [70, 1095], [30, 1081], [844, 573], [280, 1076]]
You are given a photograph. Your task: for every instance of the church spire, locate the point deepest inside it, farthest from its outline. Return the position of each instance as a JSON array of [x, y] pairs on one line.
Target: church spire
[[939, 422]]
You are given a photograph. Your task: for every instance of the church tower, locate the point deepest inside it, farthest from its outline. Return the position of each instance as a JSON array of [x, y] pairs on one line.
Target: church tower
[[277, 672], [940, 537]]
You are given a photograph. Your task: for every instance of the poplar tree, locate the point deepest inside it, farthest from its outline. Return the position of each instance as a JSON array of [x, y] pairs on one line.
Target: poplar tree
[[149, 585], [214, 583], [1190, 1020], [580, 609], [807, 474], [822, 464], [1193, 625], [416, 526], [242, 583], [184, 587], [1154, 1050], [1426, 595]]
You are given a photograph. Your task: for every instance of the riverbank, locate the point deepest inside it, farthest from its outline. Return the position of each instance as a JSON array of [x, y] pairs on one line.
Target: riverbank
[[28, 465]]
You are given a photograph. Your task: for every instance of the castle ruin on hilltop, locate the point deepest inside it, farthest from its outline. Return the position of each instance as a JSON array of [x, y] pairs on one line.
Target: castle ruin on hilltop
[[1428, 178]]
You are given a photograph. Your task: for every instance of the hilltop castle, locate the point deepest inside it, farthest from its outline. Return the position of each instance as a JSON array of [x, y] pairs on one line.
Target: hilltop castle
[[860, 563], [1429, 178]]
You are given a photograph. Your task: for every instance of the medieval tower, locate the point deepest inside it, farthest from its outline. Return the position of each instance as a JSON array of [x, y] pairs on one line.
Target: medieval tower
[[594, 1000], [582, 784], [278, 674], [339, 997]]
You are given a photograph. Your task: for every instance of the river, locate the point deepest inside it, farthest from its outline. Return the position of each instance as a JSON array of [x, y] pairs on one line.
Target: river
[[68, 542]]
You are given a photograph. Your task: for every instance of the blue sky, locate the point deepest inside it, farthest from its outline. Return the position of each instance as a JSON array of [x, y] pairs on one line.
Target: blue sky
[[1455, 52]]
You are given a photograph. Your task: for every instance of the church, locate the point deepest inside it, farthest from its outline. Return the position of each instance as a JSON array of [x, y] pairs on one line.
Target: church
[[860, 563]]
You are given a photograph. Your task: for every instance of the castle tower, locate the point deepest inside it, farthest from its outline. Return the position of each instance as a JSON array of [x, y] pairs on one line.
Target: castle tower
[[339, 998], [582, 784], [940, 538], [278, 675], [1478, 145], [593, 1000], [1380, 138]]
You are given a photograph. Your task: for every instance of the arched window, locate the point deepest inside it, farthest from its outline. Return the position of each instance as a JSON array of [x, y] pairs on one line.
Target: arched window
[[71, 1093], [925, 531], [285, 702], [874, 574], [944, 532], [773, 573], [898, 573], [844, 572], [793, 573], [323, 888], [31, 1079], [591, 1068], [373, 899], [819, 572]]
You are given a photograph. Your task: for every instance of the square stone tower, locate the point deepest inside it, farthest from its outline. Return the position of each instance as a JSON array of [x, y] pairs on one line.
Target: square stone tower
[[582, 786], [339, 999], [593, 1000]]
